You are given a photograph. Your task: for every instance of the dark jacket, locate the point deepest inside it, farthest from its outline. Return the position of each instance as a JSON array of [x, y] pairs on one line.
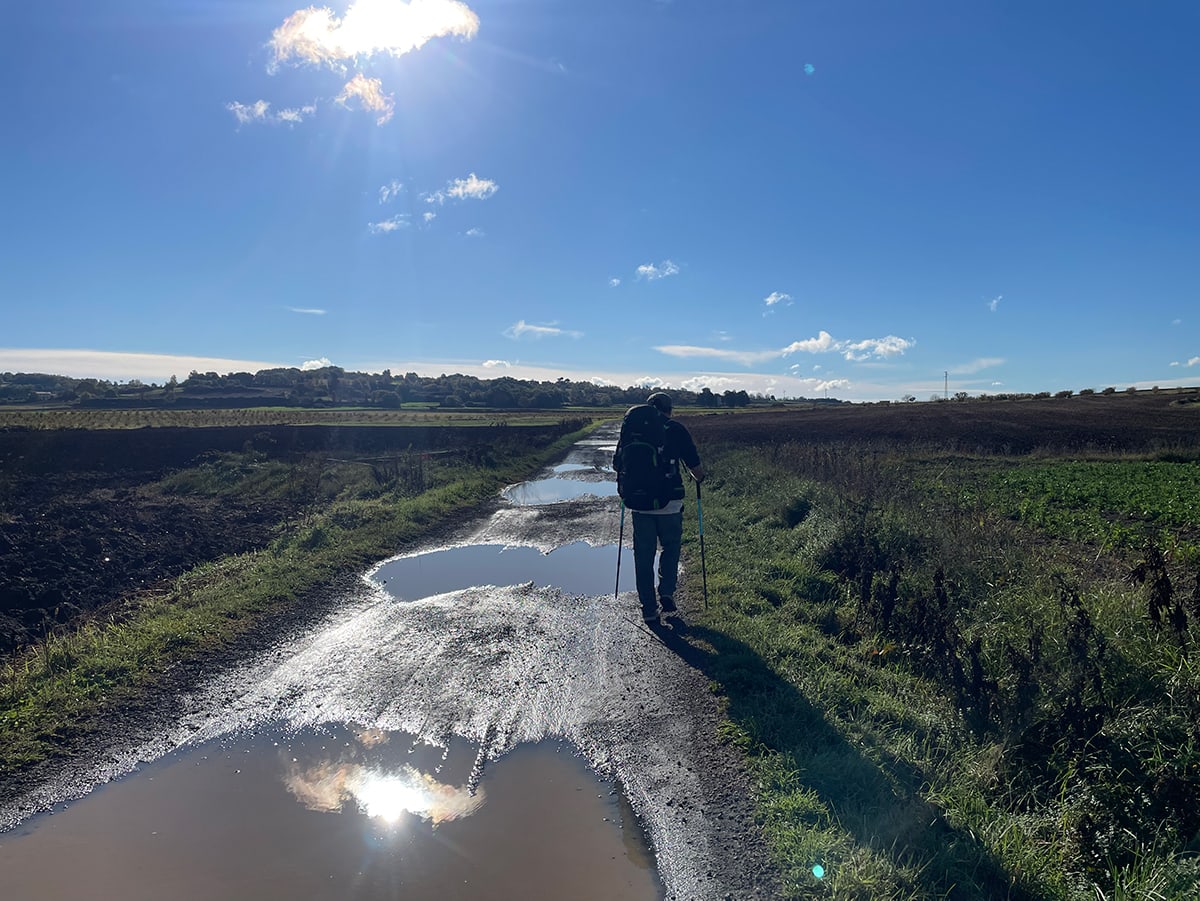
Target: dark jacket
[[679, 448]]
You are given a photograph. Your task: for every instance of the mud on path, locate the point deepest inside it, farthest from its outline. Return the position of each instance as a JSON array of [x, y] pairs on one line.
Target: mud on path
[[499, 666]]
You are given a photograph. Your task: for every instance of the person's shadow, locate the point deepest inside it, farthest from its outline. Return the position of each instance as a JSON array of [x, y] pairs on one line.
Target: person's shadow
[[865, 789]]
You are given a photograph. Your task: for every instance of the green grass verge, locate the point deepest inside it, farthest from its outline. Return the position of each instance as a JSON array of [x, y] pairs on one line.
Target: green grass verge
[[872, 759]]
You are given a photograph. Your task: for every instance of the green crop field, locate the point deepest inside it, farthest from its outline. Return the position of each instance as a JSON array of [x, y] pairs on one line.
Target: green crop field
[[961, 675]]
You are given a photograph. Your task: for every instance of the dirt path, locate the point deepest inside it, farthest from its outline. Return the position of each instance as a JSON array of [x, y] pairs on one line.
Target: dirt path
[[500, 666]]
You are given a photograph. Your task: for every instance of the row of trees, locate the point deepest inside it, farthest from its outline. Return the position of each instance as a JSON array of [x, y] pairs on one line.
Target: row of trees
[[334, 386]]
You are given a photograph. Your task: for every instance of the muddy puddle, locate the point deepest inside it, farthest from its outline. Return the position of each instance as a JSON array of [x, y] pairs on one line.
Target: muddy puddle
[[578, 569], [338, 813], [518, 637]]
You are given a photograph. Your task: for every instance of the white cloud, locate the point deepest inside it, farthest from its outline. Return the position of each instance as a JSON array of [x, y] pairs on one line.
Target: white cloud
[[369, 92], [856, 351], [316, 36], [389, 225], [994, 303], [821, 344], [977, 365], [120, 366], [428, 216], [650, 272], [890, 346], [308, 311], [470, 188], [260, 112], [391, 190], [522, 329], [310, 365], [614, 282], [496, 364], [1194, 361], [476, 233], [777, 297]]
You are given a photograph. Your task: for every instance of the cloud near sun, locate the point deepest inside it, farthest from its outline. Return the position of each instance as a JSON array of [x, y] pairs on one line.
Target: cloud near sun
[[317, 37], [854, 351]]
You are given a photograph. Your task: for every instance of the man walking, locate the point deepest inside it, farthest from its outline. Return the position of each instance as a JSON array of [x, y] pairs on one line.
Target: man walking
[[657, 511]]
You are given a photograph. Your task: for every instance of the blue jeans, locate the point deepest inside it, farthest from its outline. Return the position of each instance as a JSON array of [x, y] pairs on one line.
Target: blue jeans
[[649, 531]]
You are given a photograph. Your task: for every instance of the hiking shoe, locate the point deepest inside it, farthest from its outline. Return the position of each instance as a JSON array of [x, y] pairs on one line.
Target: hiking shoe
[[668, 606], [652, 621]]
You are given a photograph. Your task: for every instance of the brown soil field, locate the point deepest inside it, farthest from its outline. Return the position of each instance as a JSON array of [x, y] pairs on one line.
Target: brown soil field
[[1145, 422], [83, 523]]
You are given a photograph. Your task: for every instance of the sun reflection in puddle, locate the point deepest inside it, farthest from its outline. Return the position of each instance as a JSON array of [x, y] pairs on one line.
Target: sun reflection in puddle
[[375, 788], [340, 812]]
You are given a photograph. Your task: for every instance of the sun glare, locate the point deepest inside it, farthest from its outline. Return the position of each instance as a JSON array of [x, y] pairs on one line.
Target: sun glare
[[390, 797]]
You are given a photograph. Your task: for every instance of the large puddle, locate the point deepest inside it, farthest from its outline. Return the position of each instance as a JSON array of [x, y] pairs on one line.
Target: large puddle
[[339, 813], [578, 569]]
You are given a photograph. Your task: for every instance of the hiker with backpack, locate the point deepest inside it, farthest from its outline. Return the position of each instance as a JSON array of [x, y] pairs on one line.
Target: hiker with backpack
[[650, 448]]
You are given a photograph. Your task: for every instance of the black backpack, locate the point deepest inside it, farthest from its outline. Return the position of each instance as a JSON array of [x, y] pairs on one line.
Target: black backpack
[[640, 461]]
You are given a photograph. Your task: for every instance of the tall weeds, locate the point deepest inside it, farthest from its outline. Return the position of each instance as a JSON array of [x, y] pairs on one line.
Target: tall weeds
[[1081, 680]]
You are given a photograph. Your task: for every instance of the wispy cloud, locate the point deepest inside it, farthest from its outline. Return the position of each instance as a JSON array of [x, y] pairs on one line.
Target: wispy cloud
[[318, 37], [369, 93], [391, 190], [614, 282], [651, 272], [470, 188], [854, 351], [307, 311], [522, 329], [745, 357], [259, 112], [309, 365], [476, 233], [104, 364], [994, 303], [977, 365], [777, 297], [387, 226]]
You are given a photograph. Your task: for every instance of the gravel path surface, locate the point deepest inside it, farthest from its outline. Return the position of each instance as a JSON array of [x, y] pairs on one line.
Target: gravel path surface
[[499, 666]]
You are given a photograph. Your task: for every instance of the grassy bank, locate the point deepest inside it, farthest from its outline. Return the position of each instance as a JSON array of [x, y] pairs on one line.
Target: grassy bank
[[944, 676], [52, 694]]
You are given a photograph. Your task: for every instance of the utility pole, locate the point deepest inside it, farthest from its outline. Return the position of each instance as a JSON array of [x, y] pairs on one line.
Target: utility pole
[[947, 388]]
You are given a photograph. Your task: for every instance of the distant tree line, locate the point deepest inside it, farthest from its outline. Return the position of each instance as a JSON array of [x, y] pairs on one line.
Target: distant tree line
[[333, 386]]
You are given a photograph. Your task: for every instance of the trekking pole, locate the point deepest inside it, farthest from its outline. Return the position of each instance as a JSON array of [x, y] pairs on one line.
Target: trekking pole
[[620, 547], [703, 566]]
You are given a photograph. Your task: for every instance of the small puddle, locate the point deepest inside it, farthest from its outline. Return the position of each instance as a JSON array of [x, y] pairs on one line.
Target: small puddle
[[553, 491], [578, 569], [578, 467], [339, 813]]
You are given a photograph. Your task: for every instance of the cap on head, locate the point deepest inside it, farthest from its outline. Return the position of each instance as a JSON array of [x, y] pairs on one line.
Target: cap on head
[[661, 401]]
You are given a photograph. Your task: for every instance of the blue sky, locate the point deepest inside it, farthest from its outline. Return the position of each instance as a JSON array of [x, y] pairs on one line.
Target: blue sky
[[852, 198]]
